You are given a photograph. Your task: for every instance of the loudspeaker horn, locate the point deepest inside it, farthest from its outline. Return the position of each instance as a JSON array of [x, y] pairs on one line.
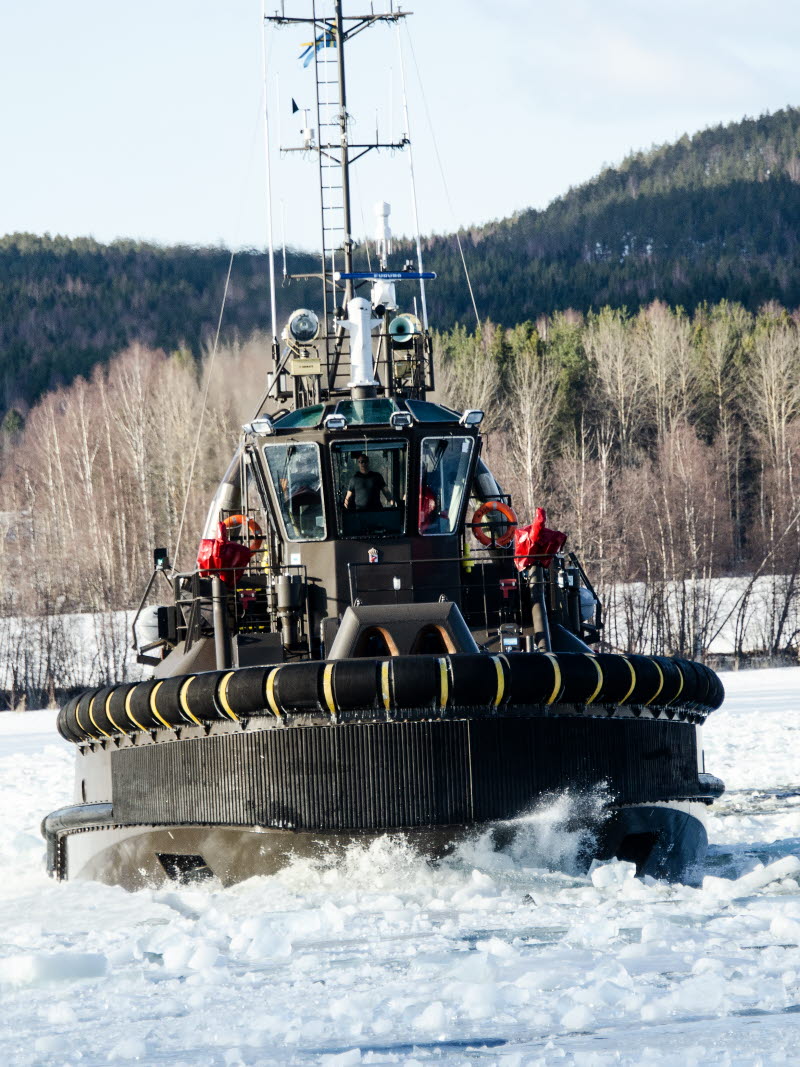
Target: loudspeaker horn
[[403, 329]]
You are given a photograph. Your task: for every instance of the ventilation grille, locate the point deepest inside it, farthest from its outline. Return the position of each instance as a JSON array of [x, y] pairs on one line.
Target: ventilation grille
[[398, 774]]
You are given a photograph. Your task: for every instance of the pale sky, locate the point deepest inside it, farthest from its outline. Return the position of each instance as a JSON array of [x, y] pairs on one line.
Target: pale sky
[[142, 120]]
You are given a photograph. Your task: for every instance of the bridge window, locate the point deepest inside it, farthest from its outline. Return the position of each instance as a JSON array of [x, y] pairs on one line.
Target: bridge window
[[237, 492], [294, 472], [444, 472], [370, 484], [367, 412]]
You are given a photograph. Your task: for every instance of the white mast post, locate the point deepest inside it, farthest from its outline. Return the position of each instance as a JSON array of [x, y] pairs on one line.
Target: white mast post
[[270, 238], [407, 134]]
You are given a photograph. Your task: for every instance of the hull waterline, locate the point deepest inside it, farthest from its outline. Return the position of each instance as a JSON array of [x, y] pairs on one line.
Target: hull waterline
[[664, 841]]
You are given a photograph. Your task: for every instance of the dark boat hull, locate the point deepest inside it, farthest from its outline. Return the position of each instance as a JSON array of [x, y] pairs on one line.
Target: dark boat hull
[[225, 773], [234, 803]]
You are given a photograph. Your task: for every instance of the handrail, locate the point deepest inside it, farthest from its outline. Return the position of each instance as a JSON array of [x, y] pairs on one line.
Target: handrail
[[190, 624]]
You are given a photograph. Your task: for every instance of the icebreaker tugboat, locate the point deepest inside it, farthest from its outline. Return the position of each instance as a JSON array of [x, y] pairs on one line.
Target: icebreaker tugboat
[[370, 642]]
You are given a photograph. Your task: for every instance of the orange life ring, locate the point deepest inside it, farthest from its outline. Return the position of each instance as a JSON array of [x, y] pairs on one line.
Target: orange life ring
[[484, 509], [256, 533]]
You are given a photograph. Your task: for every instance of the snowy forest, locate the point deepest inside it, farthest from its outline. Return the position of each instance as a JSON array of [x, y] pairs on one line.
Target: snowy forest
[[667, 445], [713, 216]]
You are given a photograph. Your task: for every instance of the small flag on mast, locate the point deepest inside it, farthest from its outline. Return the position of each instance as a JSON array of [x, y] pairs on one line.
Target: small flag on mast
[[327, 39], [295, 108]]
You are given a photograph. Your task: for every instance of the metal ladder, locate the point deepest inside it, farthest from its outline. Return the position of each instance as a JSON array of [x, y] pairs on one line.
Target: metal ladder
[[330, 134]]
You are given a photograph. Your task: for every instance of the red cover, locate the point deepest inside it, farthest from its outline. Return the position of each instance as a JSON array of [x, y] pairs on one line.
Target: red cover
[[427, 507], [535, 543], [218, 554]]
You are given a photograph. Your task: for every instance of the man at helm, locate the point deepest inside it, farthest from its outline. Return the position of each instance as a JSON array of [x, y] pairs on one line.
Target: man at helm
[[365, 488]]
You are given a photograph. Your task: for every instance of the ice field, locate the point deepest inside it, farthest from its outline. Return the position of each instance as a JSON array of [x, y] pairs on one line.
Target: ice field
[[381, 958]]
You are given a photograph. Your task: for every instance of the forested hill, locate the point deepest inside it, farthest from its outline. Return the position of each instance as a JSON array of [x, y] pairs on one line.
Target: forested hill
[[68, 304], [714, 216]]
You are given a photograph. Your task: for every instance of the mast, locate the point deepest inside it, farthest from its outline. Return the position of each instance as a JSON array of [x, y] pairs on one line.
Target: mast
[[346, 215], [268, 191], [350, 313]]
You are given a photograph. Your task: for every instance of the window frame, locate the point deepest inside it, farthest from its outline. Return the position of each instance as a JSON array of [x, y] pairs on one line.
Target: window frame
[[365, 446], [465, 496], [276, 503]]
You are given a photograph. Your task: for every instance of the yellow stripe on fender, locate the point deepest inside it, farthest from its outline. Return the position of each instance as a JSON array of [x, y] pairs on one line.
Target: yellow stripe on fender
[[109, 716], [556, 678], [660, 682], [501, 680], [91, 716], [680, 687], [78, 719], [184, 702], [386, 692], [591, 699], [270, 691], [633, 680], [327, 687], [128, 711], [444, 685], [222, 693], [153, 707]]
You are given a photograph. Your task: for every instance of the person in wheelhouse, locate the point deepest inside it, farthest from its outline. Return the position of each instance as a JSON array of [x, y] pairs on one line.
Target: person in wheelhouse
[[366, 488]]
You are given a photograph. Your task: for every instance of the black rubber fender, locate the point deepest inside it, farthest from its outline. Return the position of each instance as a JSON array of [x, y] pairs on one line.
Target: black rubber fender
[[82, 718], [465, 684], [166, 701], [618, 681], [98, 711], [299, 688], [355, 685], [67, 723], [534, 679], [200, 696], [477, 681], [415, 683], [116, 707], [245, 691], [673, 681], [582, 677], [716, 689], [649, 680], [695, 687], [141, 708], [169, 704]]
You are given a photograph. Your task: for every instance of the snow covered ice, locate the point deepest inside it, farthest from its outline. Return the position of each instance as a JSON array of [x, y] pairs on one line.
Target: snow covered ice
[[378, 957]]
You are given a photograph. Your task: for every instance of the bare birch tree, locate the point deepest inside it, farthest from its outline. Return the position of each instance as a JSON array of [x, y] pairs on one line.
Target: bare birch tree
[[719, 354], [531, 413], [619, 378], [663, 341], [469, 375], [773, 401]]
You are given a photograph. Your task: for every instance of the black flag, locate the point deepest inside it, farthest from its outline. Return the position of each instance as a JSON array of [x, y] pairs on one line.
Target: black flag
[[295, 108]]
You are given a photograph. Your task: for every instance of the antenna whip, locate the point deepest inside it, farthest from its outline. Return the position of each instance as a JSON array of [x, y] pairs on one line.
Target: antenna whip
[[270, 240], [407, 134], [444, 182]]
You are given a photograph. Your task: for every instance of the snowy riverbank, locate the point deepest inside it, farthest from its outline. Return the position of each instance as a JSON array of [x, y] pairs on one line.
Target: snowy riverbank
[[381, 958]]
